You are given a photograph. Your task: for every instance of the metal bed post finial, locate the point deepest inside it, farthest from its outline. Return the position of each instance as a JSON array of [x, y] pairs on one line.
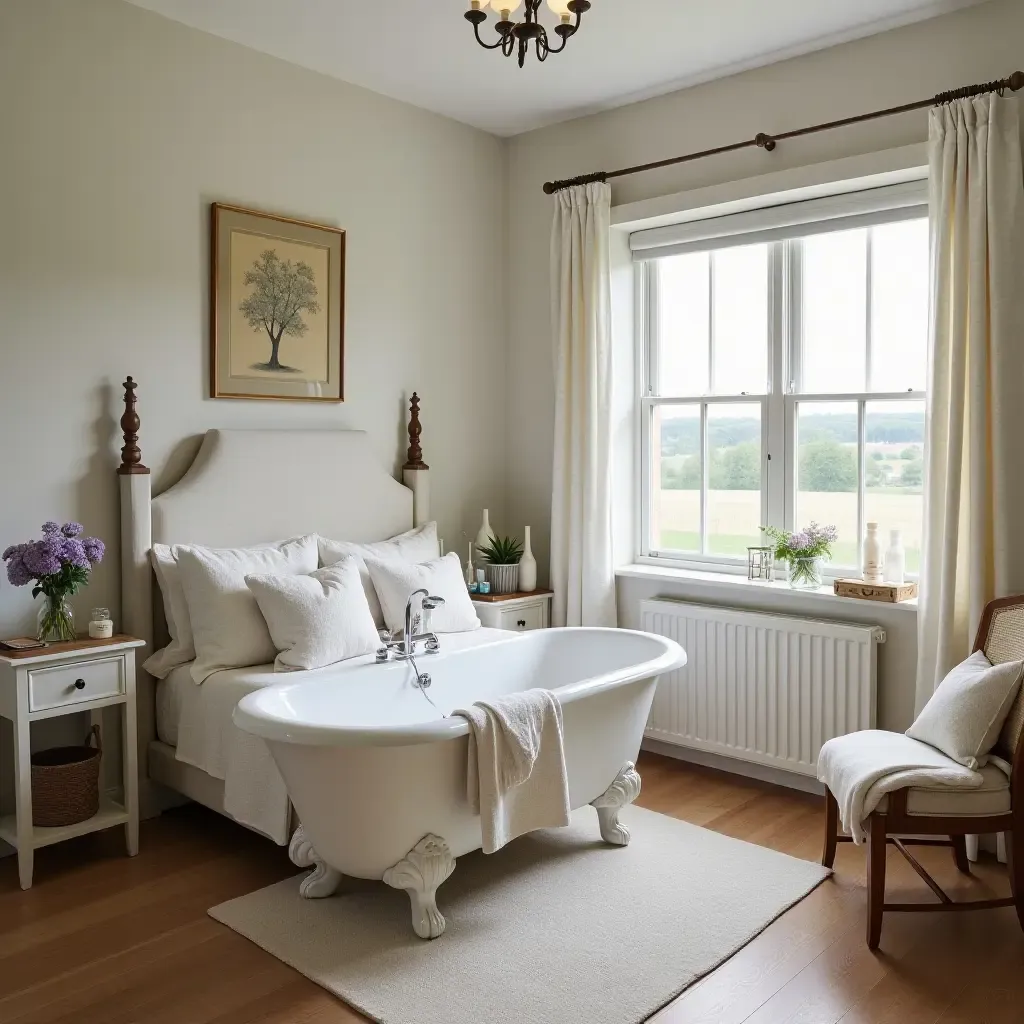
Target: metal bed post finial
[[131, 453]]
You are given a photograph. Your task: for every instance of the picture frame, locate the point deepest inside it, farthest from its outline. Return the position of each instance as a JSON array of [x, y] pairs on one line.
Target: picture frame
[[277, 307]]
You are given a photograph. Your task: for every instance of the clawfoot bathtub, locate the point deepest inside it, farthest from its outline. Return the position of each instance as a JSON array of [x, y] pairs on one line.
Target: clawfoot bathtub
[[377, 773]]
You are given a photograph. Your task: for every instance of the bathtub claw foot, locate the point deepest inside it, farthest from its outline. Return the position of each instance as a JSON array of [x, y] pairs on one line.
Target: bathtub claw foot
[[323, 880], [420, 873], [625, 788]]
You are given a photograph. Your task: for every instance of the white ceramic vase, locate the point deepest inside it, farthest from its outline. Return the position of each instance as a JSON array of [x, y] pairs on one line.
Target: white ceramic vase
[[484, 536], [872, 555], [527, 566]]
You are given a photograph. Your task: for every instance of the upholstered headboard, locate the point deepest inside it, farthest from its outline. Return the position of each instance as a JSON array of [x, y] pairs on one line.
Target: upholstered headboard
[[247, 487]]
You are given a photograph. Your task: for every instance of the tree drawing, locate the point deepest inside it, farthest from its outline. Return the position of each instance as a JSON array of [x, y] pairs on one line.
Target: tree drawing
[[281, 292]]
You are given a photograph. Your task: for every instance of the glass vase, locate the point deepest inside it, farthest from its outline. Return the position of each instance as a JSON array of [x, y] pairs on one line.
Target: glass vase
[[56, 620], [806, 573]]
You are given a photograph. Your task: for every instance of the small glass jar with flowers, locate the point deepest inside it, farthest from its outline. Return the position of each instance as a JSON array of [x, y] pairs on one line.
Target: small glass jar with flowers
[[805, 552], [60, 564]]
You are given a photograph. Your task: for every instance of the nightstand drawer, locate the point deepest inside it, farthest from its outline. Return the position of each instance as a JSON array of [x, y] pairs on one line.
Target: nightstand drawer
[[525, 617], [74, 684]]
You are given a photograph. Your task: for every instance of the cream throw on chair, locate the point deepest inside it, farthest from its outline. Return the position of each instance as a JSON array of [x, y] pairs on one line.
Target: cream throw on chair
[[582, 575], [974, 487]]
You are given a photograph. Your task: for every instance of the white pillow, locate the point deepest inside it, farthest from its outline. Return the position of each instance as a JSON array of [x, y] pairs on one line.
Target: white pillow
[[418, 545], [228, 629], [318, 619], [967, 711], [181, 650], [442, 577]]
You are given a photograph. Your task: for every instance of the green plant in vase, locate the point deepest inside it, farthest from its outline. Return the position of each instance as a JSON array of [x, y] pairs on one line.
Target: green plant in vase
[[502, 555], [805, 552]]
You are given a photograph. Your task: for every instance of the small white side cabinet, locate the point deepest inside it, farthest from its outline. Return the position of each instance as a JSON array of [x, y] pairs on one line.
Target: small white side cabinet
[[515, 611], [67, 679]]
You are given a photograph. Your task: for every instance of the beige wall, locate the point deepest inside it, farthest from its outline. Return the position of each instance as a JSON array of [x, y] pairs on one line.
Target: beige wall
[[119, 128]]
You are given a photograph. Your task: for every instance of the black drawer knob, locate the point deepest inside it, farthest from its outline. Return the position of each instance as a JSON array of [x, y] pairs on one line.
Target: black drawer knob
[[521, 622], [79, 684]]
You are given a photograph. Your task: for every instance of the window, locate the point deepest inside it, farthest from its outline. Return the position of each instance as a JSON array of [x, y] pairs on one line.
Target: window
[[784, 376]]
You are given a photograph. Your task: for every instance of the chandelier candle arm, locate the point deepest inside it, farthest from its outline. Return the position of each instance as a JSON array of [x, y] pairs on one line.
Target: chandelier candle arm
[[515, 37]]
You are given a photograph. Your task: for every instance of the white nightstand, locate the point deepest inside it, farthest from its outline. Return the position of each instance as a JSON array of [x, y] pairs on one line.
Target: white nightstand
[[66, 679], [515, 611]]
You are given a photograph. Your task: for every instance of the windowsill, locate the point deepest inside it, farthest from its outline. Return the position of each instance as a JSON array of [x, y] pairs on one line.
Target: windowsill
[[776, 587]]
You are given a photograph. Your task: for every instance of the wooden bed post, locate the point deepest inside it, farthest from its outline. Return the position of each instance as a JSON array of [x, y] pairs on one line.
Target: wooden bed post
[[415, 472], [136, 580]]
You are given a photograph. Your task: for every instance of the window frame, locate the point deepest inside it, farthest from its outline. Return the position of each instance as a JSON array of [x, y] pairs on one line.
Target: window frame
[[779, 404]]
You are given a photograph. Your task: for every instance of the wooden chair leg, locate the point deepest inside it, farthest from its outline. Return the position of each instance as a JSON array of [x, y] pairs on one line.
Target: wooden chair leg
[[828, 856], [963, 864], [876, 878], [1015, 866]]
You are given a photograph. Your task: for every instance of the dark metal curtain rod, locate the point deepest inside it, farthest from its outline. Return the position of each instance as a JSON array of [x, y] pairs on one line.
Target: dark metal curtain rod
[[768, 142]]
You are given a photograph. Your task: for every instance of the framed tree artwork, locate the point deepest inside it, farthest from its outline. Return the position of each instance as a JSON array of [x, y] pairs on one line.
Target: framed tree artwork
[[277, 307]]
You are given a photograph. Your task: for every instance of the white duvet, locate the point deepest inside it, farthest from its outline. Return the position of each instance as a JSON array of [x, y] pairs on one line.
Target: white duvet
[[197, 719]]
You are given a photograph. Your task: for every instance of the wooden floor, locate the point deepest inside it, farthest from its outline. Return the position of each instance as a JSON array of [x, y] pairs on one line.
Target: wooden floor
[[102, 938]]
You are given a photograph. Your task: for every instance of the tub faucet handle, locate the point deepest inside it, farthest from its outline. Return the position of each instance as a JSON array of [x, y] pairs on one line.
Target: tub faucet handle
[[431, 602]]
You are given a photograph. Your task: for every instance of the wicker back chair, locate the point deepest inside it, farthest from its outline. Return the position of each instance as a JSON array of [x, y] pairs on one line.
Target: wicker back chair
[[1001, 637]]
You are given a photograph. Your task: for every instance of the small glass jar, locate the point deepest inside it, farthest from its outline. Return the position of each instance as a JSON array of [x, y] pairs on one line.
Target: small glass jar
[[101, 626]]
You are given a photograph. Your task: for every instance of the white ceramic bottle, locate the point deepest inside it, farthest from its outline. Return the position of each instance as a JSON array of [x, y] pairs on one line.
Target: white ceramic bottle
[[470, 575], [527, 567], [872, 555], [895, 559], [484, 536]]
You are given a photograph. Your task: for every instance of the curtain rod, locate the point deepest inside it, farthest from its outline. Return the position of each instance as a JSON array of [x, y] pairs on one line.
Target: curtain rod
[[768, 142]]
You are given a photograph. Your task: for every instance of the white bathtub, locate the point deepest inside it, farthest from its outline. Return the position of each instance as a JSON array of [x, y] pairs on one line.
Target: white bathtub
[[378, 775]]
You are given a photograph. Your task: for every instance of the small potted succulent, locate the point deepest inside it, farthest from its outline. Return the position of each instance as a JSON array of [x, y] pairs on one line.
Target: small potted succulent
[[804, 552], [501, 556], [60, 564]]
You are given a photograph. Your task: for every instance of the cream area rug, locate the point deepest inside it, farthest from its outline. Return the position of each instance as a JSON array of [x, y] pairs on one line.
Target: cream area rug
[[554, 928]]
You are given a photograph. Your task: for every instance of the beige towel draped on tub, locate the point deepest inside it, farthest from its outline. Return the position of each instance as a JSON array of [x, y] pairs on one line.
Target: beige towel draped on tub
[[516, 779]]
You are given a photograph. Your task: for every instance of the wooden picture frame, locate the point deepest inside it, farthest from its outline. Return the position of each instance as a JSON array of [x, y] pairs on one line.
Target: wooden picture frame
[[277, 307]]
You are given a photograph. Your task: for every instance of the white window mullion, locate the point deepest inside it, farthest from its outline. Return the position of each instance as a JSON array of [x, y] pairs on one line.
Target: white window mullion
[[711, 323], [653, 332], [774, 455], [861, 477], [704, 477], [868, 297]]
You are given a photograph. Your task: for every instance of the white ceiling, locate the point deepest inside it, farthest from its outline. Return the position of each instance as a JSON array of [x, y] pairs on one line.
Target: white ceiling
[[422, 51]]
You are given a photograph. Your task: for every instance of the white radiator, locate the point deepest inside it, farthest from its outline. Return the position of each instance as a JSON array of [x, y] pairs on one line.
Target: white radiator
[[764, 688]]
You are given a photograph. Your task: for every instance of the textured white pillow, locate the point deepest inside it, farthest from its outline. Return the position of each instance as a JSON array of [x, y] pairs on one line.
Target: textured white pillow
[[419, 545], [318, 619], [228, 629], [967, 710], [442, 577], [181, 650]]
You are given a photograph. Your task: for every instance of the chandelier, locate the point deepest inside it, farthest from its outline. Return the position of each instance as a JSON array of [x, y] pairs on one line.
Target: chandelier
[[516, 37]]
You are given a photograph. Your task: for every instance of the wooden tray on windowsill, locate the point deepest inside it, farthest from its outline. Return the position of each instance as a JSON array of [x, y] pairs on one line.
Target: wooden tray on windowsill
[[887, 593]]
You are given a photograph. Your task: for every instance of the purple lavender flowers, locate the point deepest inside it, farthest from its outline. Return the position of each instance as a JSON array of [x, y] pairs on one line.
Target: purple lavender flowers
[[59, 562]]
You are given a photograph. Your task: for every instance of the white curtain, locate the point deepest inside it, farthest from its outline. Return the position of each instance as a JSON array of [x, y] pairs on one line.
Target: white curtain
[[974, 481], [582, 575]]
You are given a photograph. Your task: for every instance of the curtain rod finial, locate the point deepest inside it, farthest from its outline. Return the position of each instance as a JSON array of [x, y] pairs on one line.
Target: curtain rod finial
[[549, 188], [1017, 81]]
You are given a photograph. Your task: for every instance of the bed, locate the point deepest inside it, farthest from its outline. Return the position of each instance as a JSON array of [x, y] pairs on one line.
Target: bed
[[327, 482]]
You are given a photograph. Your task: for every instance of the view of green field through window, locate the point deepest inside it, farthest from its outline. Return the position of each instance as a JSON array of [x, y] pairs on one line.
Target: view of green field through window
[[826, 474]]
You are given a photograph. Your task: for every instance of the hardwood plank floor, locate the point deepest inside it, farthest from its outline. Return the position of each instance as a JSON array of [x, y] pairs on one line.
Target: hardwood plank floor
[[103, 939]]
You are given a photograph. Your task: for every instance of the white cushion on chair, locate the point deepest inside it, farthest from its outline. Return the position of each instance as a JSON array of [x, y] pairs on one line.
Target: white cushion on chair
[[992, 797], [967, 711]]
